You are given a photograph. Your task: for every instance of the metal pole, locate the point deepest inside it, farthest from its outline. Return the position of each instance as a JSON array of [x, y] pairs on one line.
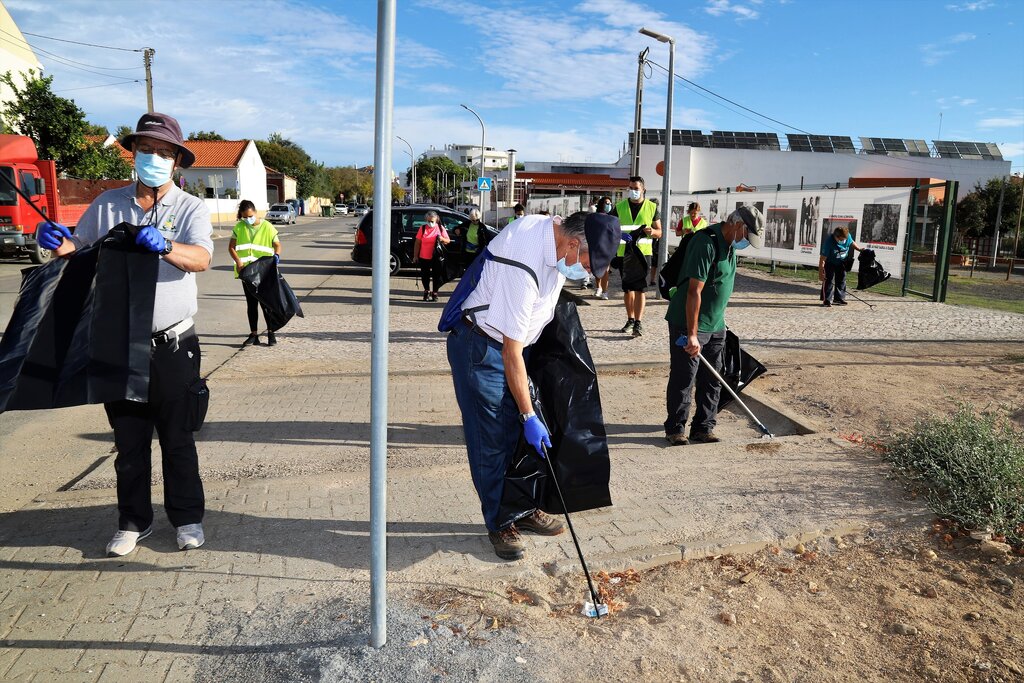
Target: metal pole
[[1016, 239], [999, 220], [511, 185], [634, 164], [666, 185], [483, 141], [380, 312], [147, 60], [412, 160]]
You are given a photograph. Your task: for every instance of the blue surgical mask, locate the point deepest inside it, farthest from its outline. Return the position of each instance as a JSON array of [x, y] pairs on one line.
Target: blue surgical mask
[[152, 169], [251, 220], [742, 244], [607, 208], [574, 272], [635, 195]]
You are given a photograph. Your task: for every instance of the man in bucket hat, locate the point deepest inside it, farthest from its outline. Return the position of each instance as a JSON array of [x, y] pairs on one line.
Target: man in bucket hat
[[696, 321], [501, 318], [176, 226]]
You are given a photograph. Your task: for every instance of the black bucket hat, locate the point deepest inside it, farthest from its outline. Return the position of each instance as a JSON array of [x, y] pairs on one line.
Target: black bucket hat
[[164, 128], [603, 233]]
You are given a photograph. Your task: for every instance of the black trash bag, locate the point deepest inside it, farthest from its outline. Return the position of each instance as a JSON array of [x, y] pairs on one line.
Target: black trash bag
[[739, 368], [81, 329], [263, 280], [567, 398], [848, 261], [445, 266], [634, 265], [871, 271]]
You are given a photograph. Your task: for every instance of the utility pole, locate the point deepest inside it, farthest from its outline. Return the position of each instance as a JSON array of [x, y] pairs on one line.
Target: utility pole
[[999, 221], [634, 164], [147, 59]]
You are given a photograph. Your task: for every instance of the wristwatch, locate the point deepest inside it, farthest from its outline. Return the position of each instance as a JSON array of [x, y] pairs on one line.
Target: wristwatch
[[168, 248], [523, 417]]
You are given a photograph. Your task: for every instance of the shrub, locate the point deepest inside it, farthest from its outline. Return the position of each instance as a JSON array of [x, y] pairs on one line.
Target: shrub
[[970, 466]]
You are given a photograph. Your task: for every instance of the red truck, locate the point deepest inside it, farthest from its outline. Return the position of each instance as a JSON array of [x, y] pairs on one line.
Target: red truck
[[37, 178]]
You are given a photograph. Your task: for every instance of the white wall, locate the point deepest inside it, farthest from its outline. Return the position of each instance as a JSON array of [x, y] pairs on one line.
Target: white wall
[[697, 168], [252, 177]]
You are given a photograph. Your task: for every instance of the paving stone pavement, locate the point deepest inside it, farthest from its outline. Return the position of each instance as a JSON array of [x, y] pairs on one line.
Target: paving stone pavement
[[288, 489]]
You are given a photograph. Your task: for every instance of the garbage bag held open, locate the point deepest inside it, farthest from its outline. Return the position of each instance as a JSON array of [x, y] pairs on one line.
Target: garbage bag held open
[[263, 280]]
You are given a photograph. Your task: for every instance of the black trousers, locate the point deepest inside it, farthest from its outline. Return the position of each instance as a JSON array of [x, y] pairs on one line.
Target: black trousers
[[682, 372], [252, 310], [835, 279], [428, 272], [171, 374]]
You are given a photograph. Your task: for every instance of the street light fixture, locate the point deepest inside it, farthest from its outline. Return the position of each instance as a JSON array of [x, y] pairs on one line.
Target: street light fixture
[[666, 185], [483, 138], [412, 162], [511, 184]]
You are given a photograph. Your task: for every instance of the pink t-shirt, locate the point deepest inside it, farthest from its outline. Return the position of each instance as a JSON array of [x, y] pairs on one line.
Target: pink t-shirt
[[427, 235]]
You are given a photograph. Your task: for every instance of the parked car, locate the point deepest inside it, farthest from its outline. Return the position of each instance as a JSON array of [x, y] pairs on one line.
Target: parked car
[[341, 209], [281, 213], [361, 210], [405, 222]]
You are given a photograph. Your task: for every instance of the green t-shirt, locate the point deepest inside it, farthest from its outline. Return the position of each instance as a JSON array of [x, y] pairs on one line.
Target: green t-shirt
[[698, 263]]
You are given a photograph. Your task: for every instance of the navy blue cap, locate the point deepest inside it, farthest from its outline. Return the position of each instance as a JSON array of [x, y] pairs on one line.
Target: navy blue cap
[[603, 235]]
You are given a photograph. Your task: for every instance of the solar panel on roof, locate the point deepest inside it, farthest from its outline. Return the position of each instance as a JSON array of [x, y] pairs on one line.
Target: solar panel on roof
[[724, 139], [961, 149], [917, 148], [798, 142]]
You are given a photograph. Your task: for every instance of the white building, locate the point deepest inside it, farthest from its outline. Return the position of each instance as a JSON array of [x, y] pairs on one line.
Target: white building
[[230, 170], [16, 55], [469, 155]]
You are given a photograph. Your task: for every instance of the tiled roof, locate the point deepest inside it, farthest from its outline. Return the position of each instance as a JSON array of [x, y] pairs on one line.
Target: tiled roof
[[216, 153], [587, 180]]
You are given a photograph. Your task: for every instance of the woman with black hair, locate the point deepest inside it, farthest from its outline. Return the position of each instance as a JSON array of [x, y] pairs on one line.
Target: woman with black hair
[[252, 239], [604, 205]]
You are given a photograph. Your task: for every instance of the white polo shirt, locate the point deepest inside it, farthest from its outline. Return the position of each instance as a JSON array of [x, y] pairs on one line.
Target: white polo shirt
[[517, 306]]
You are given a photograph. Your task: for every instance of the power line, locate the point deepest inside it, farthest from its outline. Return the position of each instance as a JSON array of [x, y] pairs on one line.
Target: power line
[[101, 85], [20, 42], [75, 42], [726, 99], [61, 60]]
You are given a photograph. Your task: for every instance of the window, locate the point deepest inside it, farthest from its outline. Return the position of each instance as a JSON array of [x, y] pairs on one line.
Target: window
[[28, 183], [8, 197]]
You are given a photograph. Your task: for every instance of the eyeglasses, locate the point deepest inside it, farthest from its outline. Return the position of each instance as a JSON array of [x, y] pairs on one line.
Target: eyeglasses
[[163, 153]]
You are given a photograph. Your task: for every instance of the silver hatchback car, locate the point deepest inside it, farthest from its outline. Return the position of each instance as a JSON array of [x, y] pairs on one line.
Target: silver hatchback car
[[281, 213]]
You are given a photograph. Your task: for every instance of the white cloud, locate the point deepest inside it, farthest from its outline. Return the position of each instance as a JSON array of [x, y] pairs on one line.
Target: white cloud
[[1015, 119], [955, 101], [962, 37], [719, 7], [1011, 149], [933, 53], [974, 6]]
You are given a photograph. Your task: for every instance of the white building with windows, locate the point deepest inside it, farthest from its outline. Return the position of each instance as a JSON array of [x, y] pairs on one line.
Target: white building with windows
[[469, 155]]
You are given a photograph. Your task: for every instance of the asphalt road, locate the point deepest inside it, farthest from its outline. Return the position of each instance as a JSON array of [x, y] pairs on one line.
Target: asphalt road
[[42, 451]]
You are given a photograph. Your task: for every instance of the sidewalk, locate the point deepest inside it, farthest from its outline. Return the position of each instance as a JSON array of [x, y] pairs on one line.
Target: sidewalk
[[288, 489]]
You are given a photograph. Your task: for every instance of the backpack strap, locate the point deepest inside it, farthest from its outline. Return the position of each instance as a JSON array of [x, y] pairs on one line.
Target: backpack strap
[[471, 312]]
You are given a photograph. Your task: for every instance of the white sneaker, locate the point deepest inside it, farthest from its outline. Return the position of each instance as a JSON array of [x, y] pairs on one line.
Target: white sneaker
[[597, 293], [604, 295], [124, 542], [190, 536]]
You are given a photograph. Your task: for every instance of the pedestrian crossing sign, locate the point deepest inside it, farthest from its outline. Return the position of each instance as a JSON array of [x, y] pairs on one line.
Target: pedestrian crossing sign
[[484, 184]]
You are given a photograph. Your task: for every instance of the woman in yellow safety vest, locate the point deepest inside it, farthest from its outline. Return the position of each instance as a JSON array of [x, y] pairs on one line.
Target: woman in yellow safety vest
[[692, 221], [252, 239]]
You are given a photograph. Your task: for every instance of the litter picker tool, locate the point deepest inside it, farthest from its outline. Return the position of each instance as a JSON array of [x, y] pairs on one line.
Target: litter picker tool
[[869, 305], [14, 186], [760, 425], [595, 609]]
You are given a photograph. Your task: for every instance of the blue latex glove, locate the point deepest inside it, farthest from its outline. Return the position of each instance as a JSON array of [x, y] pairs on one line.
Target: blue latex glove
[[536, 434], [50, 235], [150, 238], [277, 259], [627, 238]]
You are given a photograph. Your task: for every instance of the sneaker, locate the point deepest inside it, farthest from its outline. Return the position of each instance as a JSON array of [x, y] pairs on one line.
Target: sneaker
[[190, 536], [638, 329], [426, 296], [508, 543], [826, 304], [603, 295], [677, 439], [271, 339], [253, 339], [433, 296], [124, 542], [540, 523], [704, 437], [628, 326], [597, 293], [840, 303]]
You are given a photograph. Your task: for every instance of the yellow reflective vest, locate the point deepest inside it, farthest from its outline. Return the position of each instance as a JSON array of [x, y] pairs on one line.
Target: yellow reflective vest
[[253, 243], [686, 225], [644, 217]]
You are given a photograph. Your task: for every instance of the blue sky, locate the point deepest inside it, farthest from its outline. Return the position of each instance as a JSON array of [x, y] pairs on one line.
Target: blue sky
[[555, 80]]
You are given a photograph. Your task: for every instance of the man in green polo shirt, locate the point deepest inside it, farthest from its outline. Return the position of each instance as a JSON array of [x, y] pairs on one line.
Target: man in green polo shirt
[[696, 321]]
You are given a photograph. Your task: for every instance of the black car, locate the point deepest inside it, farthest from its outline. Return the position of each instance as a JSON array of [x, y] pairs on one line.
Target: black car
[[405, 222]]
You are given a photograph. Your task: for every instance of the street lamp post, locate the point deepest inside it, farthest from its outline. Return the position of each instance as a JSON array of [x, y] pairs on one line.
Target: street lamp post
[[483, 139], [666, 185], [511, 184], [412, 162]]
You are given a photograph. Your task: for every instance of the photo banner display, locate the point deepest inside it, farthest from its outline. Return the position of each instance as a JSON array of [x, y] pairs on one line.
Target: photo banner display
[[798, 221]]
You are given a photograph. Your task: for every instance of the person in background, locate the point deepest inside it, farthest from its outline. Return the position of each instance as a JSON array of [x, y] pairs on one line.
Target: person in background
[[474, 238], [518, 211], [176, 226], [423, 252], [832, 266], [640, 216], [604, 205], [252, 239], [692, 221]]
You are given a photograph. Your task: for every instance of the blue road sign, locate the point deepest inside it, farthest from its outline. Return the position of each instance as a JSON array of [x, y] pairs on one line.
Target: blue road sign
[[484, 184]]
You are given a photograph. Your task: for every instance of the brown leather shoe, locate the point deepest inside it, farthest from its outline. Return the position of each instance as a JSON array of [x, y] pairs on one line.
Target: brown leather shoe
[[704, 437], [676, 439], [541, 523], [508, 544]]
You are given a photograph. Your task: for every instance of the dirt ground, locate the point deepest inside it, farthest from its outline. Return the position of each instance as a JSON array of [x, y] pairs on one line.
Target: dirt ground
[[904, 603]]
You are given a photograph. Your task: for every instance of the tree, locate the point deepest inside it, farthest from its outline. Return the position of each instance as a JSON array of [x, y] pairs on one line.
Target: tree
[[976, 213], [93, 129], [312, 178], [58, 128], [434, 172], [123, 130], [350, 182], [204, 135]]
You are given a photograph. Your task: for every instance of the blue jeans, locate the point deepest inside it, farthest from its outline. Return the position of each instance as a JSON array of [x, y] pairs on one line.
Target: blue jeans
[[490, 417]]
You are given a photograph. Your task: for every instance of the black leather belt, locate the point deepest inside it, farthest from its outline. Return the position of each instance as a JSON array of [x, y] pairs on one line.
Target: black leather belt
[[473, 326]]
